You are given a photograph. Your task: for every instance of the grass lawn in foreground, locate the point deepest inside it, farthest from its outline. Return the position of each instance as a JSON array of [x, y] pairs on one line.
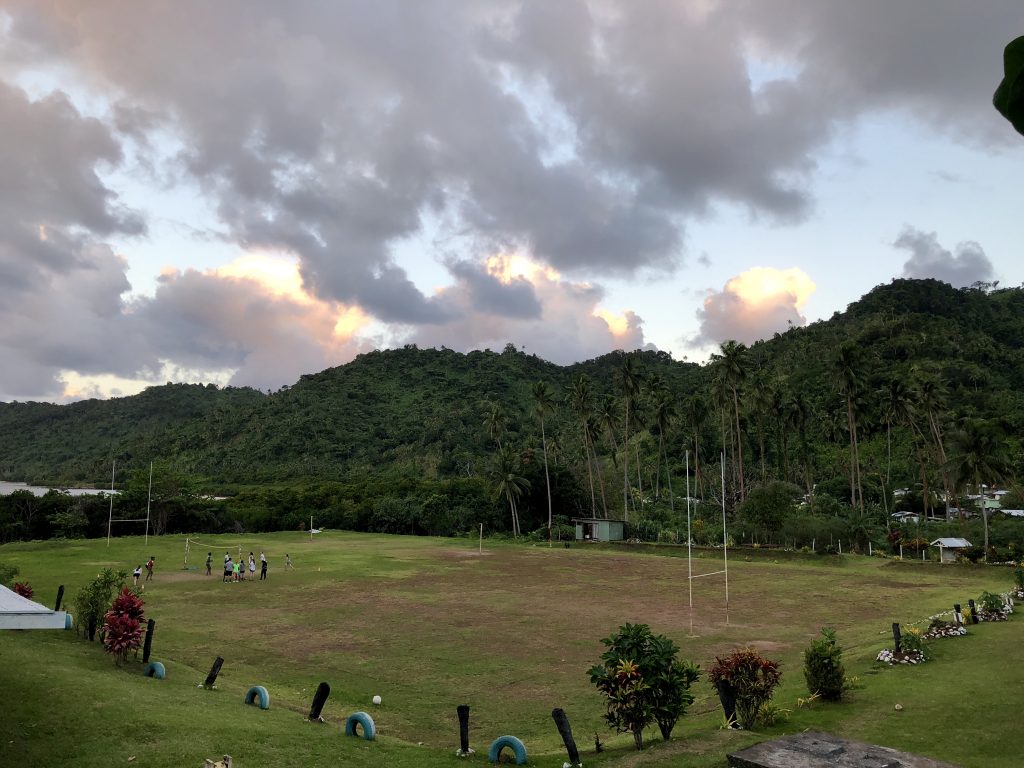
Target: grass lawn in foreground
[[429, 624]]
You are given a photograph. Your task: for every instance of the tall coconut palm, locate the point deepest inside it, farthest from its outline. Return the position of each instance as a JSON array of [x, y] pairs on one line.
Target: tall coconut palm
[[496, 422], [978, 457], [732, 366], [847, 372], [629, 388], [800, 413], [931, 398], [581, 401], [694, 415], [509, 483], [543, 406]]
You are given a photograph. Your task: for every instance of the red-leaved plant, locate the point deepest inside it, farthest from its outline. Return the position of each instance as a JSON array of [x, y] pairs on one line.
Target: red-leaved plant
[[122, 626], [24, 589], [750, 677]]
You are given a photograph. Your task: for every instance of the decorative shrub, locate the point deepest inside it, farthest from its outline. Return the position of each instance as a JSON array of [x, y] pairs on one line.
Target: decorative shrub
[[7, 573], [823, 666], [751, 677], [92, 600], [990, 603], [24, 589], [643, 681], [913, 641], [122, 627]]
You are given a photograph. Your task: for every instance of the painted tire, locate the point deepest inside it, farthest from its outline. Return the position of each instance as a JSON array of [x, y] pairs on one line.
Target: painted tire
[[517, 747], [258, 692], [155, 669], [69, 621], [364, 720]]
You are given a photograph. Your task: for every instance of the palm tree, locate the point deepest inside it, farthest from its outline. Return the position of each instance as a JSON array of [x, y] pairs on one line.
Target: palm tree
[[898, 408], [979, 456], [695, 415], [732, 367], [581, 401], [509, 483], [665, 414], [800, 413], [932, 400], [629, 386], [846, 370], [496, 422], [544, 405]]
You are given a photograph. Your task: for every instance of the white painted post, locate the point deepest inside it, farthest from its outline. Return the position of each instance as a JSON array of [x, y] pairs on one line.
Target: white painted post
[[689, 546], [481, 538]]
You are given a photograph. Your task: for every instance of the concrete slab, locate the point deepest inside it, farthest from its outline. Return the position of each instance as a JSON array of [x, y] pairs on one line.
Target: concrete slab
[[822, 750]]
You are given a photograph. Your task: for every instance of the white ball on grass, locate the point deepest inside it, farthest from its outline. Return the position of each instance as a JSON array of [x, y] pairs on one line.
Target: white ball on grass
[[377, 700]]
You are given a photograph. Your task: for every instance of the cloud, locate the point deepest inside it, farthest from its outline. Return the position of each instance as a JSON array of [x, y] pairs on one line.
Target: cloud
[[565, 321], [754, 305], [928, 258], [251, 320]]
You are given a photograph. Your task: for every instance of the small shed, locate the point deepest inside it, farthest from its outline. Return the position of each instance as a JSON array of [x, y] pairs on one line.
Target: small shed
[[949, 547], [17, 612], [599, 529]]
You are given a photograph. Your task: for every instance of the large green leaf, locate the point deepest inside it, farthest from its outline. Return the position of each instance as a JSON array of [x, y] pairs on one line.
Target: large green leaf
[[1009, 96]]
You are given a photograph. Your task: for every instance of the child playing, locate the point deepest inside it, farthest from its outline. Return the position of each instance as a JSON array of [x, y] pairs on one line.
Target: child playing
[[136, 574]]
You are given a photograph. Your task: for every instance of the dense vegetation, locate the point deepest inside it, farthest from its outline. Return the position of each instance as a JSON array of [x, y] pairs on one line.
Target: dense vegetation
[[916, 386]]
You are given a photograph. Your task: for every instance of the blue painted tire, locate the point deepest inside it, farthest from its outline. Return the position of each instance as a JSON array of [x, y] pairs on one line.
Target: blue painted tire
[[517, 747], [69, 621], [365, 721], [155, 669], [260, 693]]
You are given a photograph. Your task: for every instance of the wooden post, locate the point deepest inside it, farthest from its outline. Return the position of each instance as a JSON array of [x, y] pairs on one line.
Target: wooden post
[[319, 699], [974, 611], [463, 712], [565, 731], [481, 538], [957, 615], [147, 646], [214, 671], [896, 637], [60, 597], [91, 628]]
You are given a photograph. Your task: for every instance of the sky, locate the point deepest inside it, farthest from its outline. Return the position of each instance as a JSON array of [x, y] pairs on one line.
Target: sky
[[246, 191]]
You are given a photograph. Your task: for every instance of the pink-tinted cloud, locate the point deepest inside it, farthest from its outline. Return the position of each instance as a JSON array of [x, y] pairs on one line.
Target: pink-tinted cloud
[[753, 305]]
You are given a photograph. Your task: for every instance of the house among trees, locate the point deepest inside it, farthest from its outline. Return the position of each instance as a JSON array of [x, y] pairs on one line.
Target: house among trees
[[599, 529], [949, 547]]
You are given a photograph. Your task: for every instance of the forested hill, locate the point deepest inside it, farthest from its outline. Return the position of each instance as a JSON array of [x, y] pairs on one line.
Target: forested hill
[[424, 413]]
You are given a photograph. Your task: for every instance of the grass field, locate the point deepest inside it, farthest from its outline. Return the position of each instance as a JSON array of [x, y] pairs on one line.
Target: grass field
[[429, 624]]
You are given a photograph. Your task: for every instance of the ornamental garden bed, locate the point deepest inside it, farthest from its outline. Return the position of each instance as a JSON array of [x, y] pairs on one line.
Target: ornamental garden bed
[[887, 656], [941, 628]]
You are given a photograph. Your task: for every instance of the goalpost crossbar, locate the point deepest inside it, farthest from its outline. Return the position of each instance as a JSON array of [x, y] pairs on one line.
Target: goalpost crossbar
[[702, 575]]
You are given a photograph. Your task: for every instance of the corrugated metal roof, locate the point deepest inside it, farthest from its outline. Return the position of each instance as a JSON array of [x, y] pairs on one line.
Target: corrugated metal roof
[[951, 543], [17, 612]]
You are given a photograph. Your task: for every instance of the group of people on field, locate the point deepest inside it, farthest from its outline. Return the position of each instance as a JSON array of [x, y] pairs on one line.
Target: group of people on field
[[235, 571]]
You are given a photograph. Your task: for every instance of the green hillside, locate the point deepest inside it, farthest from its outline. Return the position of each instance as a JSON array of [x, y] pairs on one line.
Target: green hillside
[[902, 380]]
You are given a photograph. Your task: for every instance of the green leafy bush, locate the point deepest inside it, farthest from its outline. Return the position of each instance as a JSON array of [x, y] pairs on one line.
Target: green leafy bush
[[7, 573], [643, 681], [92, 600], [990, 602], [823, 666], [752, 679]]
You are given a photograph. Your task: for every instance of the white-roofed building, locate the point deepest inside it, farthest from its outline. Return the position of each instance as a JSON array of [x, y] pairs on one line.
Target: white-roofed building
[[17, 612], [949, 547]]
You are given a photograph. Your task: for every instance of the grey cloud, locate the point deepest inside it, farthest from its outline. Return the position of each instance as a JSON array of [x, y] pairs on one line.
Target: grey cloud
[[966, 265], [565, 331], [487, 294], [61, 306], [208, 322], [940, 59]]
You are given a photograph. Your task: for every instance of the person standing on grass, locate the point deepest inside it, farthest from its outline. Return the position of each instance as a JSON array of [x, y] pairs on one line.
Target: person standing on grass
[[252, 566], [149, 568], [209, 562], [228, 569], [263, 567], [136, 574], [238, 572], [288, 562]]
